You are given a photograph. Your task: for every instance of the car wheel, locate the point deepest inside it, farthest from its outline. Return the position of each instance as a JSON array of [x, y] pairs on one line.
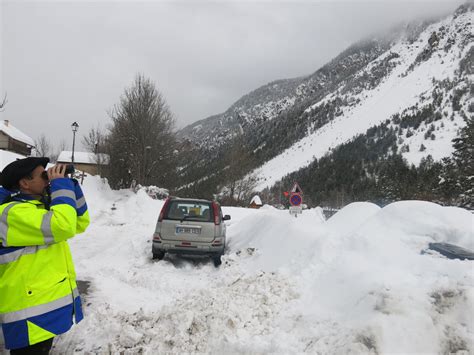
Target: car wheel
[[217, 260], [158, 255]]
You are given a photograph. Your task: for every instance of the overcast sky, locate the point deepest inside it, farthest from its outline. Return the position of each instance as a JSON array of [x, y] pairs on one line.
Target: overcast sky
[[66, 61]]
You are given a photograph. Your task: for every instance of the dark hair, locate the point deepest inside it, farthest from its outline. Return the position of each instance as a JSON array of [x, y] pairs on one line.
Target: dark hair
[[28, 176]]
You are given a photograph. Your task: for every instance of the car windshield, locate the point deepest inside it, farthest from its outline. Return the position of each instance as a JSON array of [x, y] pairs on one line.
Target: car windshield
[[190, 210]]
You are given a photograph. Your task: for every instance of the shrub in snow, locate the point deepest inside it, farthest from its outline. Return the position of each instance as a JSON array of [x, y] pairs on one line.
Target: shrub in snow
[[156, 193]]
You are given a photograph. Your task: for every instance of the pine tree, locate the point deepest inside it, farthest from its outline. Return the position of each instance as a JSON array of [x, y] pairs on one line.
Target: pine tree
[[396, 179], [448, 188], [463, 157]]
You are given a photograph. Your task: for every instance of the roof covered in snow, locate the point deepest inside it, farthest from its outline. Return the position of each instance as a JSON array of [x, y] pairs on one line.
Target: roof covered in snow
[[83, 157], [7, 157], [256, 199], [13, 132]]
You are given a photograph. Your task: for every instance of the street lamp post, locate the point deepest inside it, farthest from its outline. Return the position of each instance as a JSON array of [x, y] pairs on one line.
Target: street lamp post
[[74, 127]]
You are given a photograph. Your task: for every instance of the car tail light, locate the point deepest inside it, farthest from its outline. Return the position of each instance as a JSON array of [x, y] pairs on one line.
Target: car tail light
[[217, 242], [164, 209], [156, 237], [215, 209]]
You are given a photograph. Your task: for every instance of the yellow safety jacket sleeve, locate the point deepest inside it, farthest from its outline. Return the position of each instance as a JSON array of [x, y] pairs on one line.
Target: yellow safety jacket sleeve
[[24, 226], [83, 219]]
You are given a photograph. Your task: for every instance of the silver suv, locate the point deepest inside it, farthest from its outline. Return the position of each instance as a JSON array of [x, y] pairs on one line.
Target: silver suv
[[190, 226]]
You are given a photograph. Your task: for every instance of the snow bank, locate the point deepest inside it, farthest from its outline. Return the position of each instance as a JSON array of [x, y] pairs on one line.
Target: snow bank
[[351, 216], [375, 285], [417, 220], [279, 238]]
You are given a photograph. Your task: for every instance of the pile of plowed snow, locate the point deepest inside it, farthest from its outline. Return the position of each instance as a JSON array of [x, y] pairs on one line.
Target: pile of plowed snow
[[358, 282]]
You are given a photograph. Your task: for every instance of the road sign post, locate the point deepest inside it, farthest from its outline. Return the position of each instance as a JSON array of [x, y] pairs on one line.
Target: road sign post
[[296, 200], [296, 210]]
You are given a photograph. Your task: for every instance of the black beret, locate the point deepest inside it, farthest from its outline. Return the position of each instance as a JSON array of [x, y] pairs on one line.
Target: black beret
[[19, 169]]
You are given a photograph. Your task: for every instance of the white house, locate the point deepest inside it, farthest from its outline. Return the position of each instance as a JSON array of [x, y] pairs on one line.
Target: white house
[[89, 162], [14, 140], [256, 202]]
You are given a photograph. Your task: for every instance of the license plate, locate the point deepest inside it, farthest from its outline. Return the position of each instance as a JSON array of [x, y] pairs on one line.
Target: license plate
[[187, 230]]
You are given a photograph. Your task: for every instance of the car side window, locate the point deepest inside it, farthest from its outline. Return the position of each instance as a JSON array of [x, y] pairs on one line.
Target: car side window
[[175, 212]]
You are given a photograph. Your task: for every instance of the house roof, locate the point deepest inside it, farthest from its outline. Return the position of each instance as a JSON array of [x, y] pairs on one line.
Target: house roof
[[257, 200], [7, 157], [13, 132], [83, 157]]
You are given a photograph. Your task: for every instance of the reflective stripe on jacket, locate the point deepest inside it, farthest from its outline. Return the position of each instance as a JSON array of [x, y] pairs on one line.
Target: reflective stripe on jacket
[[38, 290]]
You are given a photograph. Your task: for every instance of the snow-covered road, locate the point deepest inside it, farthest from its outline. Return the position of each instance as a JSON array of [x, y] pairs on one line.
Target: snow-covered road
[[357, 283]]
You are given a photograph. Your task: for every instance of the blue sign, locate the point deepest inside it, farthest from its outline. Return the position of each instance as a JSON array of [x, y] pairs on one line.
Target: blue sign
[[296, 199]]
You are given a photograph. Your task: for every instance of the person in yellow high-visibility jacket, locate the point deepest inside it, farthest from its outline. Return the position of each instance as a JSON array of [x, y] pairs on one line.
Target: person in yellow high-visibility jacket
[[38, 290]]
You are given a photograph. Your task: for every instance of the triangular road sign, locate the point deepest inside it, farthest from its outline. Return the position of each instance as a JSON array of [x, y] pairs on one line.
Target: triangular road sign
[[296, 188]]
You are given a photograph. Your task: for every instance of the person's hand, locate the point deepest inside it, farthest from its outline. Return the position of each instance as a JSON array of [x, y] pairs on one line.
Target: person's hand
[[56, 171]]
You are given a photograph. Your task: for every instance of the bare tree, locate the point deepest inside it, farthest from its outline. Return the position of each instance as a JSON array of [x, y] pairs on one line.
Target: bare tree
[[96, 142], [42, 146], [239, 160], [3, 103], [62, 146], [245, 189], [141, 142]]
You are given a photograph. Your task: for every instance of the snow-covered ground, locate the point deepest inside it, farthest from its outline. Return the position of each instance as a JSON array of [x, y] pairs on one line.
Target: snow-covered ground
[[356, 283]]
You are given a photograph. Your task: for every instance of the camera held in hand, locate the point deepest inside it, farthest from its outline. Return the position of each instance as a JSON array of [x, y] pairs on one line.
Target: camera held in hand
[[69, 171]]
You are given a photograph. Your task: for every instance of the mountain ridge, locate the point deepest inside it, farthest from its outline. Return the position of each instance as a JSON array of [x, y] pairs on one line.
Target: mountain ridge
[[424, 67]]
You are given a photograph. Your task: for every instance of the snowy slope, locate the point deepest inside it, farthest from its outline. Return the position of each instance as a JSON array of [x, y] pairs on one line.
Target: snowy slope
[[404, 87], [357, 283]]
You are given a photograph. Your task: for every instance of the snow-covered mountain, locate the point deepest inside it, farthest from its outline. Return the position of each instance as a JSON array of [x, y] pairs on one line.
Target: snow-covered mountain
[[275, 98], [416, 82]]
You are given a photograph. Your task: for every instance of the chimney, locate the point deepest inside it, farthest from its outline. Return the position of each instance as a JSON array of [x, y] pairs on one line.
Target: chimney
[[6, 122]]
